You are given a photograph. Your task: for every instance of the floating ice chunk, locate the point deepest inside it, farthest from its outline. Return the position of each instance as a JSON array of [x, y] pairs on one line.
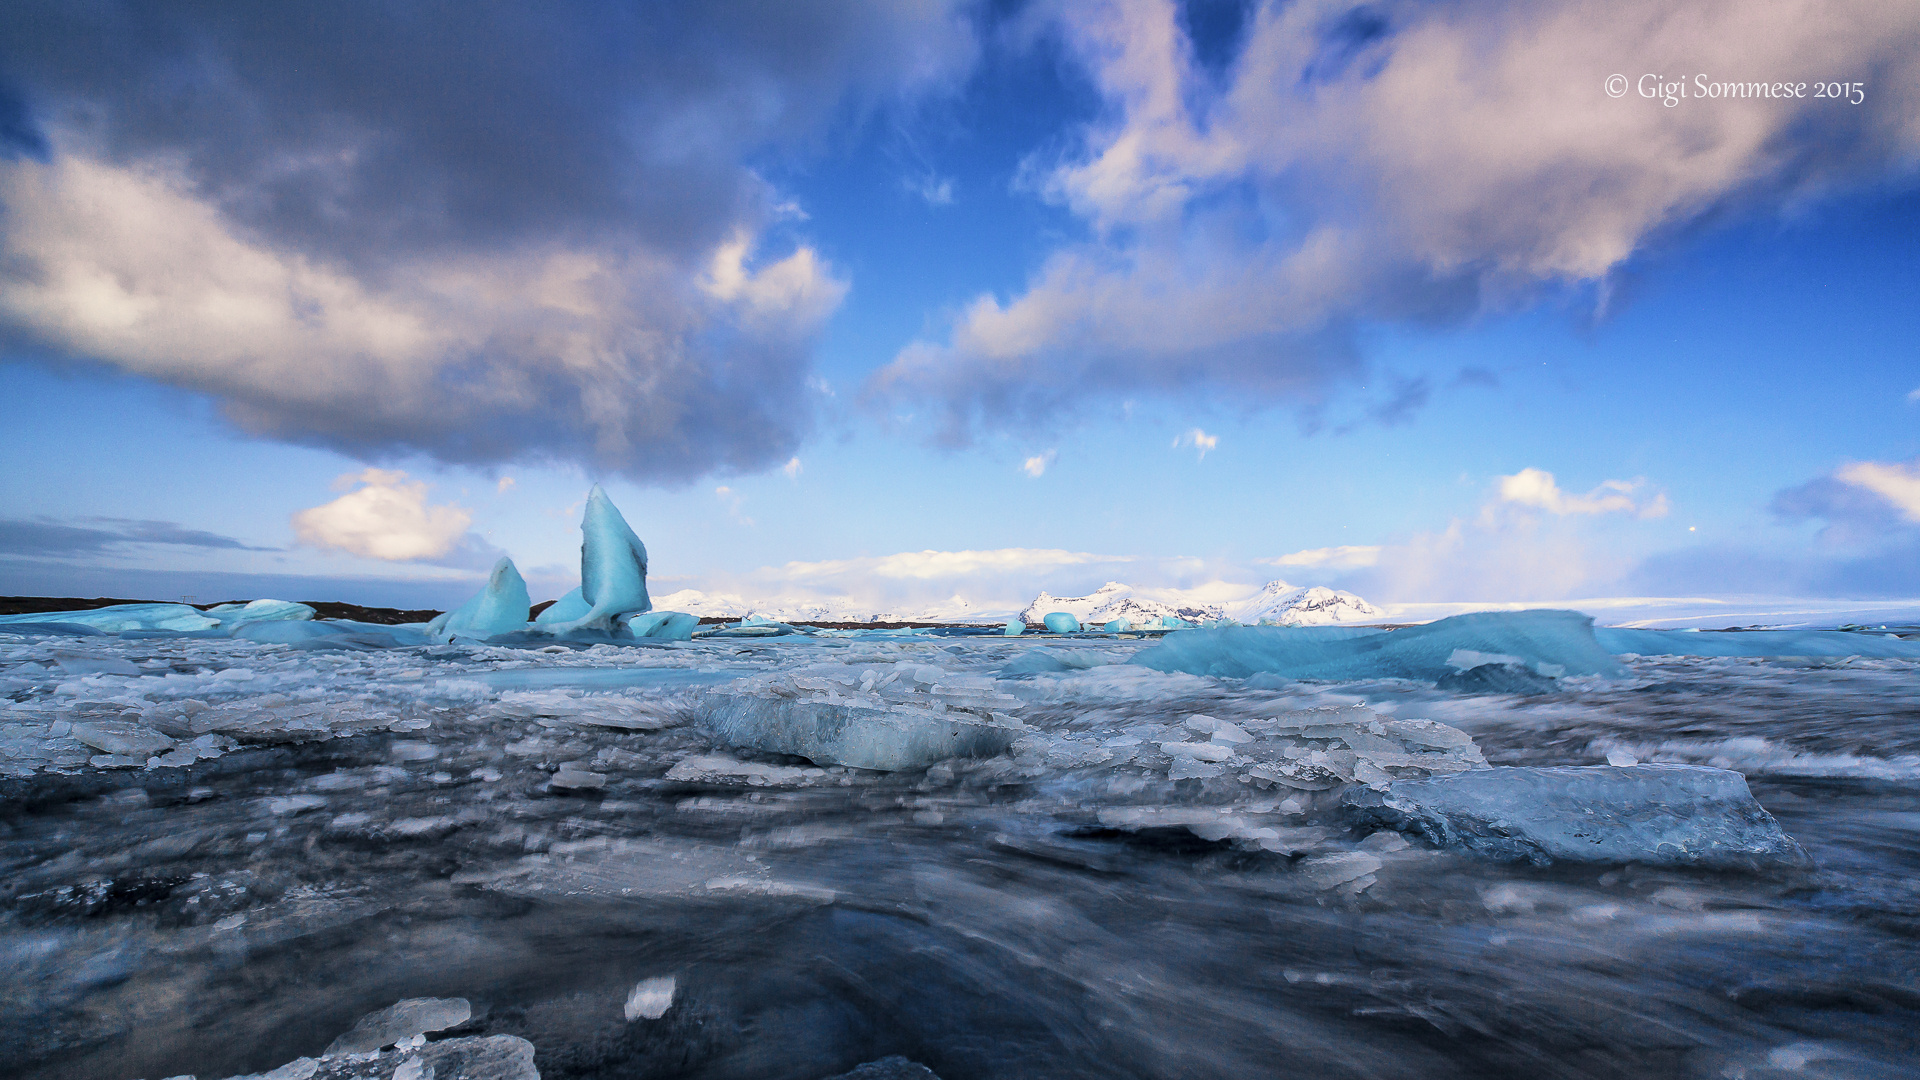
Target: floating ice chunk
[[1118, 626], [232, 615], [664, 625], [1200, 751], [721, 769], [1560, 638], [650, 999], [1683, 815], [574, 776], [78, 664], [613, 568], [1016, 627], [1061, 622], [401, 1020], [122, 617], [1755, 643], [121, 738], [568, 608], [887, 717], [500, 608]]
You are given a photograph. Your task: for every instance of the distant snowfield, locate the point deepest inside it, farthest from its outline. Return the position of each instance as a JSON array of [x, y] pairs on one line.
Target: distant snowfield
[[1283, 604]]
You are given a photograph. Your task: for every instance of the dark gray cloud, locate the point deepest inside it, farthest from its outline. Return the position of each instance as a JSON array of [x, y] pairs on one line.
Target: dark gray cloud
[[1853, 514], [482, 230], [46, 537]]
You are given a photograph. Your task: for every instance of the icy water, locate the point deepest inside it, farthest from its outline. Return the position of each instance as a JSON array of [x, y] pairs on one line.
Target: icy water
[[333, 831]]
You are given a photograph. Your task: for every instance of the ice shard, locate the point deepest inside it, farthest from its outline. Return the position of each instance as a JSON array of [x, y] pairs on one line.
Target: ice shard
[[664, 625], [613, 569], [500, 608]]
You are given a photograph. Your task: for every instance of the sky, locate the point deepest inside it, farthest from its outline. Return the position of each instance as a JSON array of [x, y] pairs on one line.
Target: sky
[[921, 304]]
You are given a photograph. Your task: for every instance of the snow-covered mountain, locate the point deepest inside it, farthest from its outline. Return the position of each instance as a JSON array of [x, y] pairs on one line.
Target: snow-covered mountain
[[1276, 603]]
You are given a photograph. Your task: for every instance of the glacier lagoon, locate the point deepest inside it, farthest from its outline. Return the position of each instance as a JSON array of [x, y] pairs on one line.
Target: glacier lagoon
[[614, 842], [223, 851]]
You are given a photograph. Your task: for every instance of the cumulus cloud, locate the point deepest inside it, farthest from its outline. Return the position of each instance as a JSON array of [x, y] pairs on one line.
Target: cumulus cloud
[[1863, 503], [384, 516], [1536, 488], [1036, 466], [472, 230], [1391, 161]]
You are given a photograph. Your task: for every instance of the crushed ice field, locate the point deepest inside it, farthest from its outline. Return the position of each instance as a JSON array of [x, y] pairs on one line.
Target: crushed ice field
[[220, 854]]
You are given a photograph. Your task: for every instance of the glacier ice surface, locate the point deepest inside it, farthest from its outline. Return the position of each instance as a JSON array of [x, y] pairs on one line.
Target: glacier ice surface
[[1551, 643], [232, 615], [500, 608], [1680, 815]]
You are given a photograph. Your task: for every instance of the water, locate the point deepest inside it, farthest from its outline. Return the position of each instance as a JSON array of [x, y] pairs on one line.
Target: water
[[982, 918]]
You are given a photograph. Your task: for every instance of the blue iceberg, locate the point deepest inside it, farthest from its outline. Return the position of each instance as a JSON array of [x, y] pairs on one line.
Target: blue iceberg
[[664, 625], [334, 634], [235, 615], [180, 618], [1549, 643], [500, 608], [1061, 622], [568, 608], [1670, 815], [613, 569], [1756, 643]]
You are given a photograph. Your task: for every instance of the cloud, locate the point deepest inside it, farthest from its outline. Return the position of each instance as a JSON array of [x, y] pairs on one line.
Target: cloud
[[1536, 488], [48, 538], [792, 468], [733, 500], [1389, 162], [1343, 557], [478, 232], [505, 485], [1197, 439], [386, 516], [1863, 503], [936, 190], [1036, 466]]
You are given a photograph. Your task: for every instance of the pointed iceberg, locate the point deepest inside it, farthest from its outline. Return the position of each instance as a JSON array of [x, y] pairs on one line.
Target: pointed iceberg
[[613, 569], [500, 608]]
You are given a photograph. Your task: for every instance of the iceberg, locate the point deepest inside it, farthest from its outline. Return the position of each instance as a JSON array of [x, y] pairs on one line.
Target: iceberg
[[1061, 622], [664, 625], [1670, 815], [886, 717], [568, 608], [333, 634], [122, 617], [500, 608], [613, 569], [1757, 643], [1550, 643], [1014, 628], [233, 615]]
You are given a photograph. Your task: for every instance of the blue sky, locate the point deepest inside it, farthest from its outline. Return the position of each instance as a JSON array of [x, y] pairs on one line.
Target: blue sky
[[1320, 292]]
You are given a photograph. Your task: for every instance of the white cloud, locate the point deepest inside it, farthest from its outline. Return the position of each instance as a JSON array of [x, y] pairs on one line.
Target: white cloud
[[1898, 484], [1343, 557], [792, 468], [385, 517], [1391, 162], [1199, 440], [505, 485], [1536, 488], [1036, 466], [935, 189], [1913, 395]]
